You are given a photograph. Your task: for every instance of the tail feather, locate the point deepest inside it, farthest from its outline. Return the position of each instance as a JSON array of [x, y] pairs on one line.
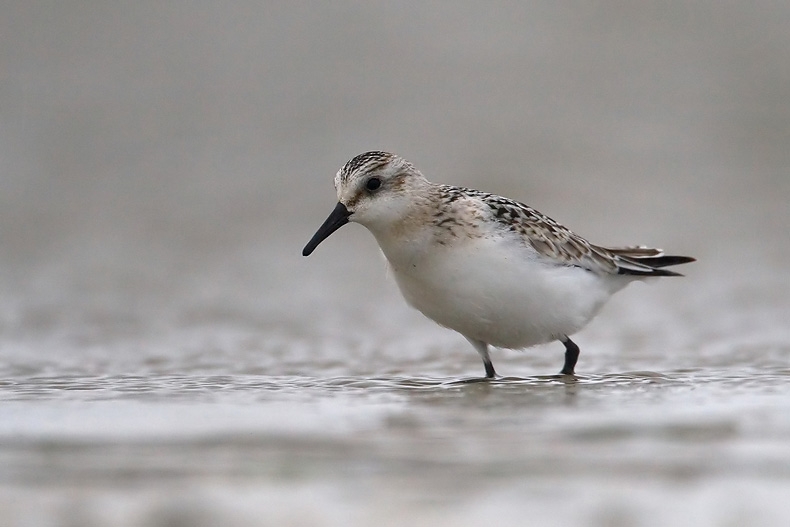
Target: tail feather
[[645, 261], [647, 271], [666, 261], [635, 251]]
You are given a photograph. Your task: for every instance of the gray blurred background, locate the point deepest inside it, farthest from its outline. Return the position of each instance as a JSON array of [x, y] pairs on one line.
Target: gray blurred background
[[162, 164], [155, 149], [146, 129]]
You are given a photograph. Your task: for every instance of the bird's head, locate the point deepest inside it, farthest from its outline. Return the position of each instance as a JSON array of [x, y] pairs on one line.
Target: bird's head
[[374, 189]]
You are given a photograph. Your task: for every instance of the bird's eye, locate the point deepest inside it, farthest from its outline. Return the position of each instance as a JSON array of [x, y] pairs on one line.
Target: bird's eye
[[373, 184]]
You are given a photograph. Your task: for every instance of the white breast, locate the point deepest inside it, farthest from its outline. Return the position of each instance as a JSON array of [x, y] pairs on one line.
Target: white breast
[[496, 290]]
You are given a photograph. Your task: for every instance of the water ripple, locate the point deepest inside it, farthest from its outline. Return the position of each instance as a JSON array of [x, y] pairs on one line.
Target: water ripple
[[203, 386]]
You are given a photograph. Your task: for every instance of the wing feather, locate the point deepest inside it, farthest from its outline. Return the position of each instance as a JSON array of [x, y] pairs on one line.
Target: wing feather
[[559, 244]]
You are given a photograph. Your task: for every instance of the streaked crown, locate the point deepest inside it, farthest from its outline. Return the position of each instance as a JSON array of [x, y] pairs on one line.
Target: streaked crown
[[385, 163]]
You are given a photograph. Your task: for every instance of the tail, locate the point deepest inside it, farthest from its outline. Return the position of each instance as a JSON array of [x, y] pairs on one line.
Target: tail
[[644, 261]]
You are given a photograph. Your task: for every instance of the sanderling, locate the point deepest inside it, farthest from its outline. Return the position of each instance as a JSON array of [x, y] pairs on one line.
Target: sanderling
[[497, 271]]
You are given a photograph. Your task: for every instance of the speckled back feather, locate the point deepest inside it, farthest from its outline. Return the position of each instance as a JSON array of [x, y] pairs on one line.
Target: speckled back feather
[[558, 243]]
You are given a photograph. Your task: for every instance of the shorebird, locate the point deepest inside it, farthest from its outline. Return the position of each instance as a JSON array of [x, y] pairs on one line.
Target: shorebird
[[495, 270]]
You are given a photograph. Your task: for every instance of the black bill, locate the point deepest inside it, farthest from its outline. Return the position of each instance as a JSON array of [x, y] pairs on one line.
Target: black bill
[[337, 219]]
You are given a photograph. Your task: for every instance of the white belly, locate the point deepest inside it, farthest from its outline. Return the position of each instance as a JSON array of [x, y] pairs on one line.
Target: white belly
[[500, 293]]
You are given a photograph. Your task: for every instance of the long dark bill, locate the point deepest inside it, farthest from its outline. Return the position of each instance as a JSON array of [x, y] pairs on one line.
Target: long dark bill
[[337, 219]]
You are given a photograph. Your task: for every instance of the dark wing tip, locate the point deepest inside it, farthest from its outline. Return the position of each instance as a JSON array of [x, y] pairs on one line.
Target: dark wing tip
[[666, 261], [653, 266]]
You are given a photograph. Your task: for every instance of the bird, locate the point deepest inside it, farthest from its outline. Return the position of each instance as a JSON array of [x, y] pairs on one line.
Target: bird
[[493, 269]]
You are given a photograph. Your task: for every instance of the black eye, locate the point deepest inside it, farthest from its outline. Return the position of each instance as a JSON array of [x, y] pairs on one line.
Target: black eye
[[373, 184]]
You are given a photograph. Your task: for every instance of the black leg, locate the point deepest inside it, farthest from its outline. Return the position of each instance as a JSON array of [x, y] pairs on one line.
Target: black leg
[[571, 356], [482, 349], [490, 373]]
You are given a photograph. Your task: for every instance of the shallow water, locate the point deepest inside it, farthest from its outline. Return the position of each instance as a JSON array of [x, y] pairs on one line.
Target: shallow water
[[167, 357], [641, 448]]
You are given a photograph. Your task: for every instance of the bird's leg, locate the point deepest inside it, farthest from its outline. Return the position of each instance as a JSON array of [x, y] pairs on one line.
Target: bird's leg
[[482, 349], [489, 366], [571, 356]]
